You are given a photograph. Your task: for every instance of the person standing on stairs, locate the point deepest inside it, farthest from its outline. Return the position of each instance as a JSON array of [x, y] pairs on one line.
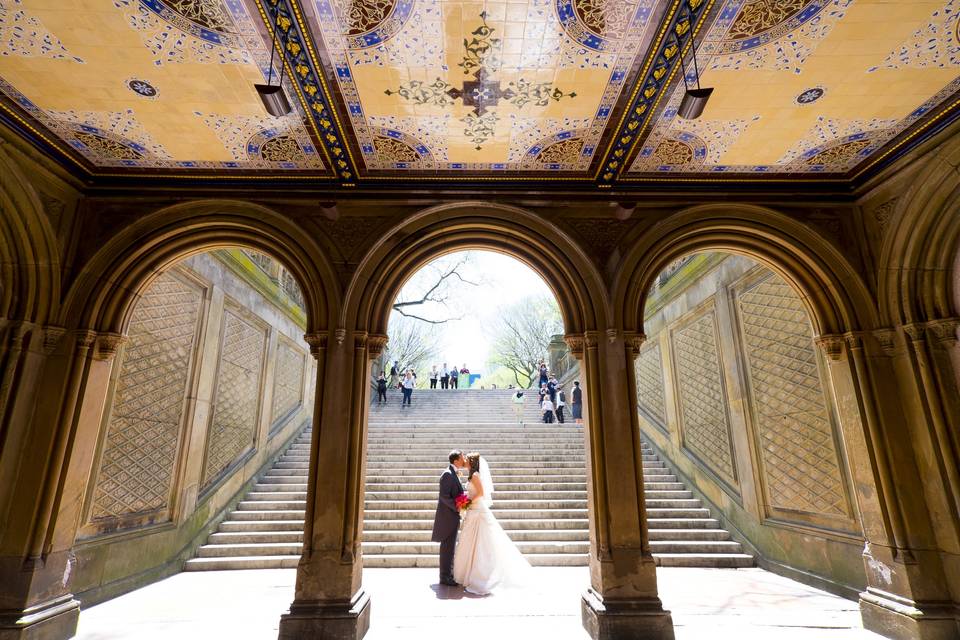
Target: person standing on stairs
[[407, 386], [577, 403], [381, 388], [395, 374], [433, 377], [547, 407], [444, 377], [446, 522], [561, 403], [454, 375]]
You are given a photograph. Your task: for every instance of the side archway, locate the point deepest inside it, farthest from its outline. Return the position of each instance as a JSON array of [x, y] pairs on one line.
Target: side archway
[[30, 278], [578, 287], [919, 251], [109, 284], [834, 293]]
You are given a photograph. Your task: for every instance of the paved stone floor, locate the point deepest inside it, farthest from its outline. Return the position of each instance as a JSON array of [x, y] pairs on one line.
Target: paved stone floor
[[709, 604]]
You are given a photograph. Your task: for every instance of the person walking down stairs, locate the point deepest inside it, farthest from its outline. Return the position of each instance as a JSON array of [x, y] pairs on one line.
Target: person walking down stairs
[[407, 386], [518, 406], [381, 388]]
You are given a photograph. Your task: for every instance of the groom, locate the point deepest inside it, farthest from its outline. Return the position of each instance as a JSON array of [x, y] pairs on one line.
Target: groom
[[447, 520]]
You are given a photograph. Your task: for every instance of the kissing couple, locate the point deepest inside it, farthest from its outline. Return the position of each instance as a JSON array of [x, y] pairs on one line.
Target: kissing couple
[[486, 557]]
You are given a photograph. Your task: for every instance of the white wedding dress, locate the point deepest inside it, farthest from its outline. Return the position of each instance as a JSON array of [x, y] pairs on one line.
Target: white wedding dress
[[486, 558]]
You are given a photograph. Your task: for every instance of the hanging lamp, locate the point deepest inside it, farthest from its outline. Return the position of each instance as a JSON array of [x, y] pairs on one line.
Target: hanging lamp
[[694, 100], [273, 98]]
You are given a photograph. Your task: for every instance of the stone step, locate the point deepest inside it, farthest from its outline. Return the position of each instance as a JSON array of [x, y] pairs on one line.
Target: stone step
[[419, 524], [500, 495], [432, 561], [682, 523], [517, 535], [428, 514], [498, 505], [433, 548], [712, 560], [266, 515], [431, 487], [253, 526]]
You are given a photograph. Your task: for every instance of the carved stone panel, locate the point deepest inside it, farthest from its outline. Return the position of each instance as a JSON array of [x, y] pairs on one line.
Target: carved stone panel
[[288, 380], [649, 373], [797, 439], [704, 422], [237, 399], [139, 455]]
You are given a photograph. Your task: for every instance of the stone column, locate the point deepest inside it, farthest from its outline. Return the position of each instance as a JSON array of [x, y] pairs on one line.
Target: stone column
[[622, 600], [330, 601], [53, 393], [907, 595]]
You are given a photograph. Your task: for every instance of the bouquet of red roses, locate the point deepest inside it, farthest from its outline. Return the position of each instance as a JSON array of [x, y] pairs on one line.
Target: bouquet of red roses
[[463, 502]]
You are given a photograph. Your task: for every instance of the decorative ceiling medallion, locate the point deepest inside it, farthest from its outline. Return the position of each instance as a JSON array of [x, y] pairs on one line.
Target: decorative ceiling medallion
[[482, 92], [843, 154], [207, 20], [368, 23], [142, 88], [810, 95], [565, 152], [763, 21], [103, 147], [596, 24]]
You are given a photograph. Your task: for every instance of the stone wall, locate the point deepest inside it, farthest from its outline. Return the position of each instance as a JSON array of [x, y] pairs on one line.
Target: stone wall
[[211, 383], [732, 390]]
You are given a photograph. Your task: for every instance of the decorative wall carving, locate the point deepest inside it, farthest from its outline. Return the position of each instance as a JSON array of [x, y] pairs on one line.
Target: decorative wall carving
[[649, 373], [139, 457], [287, 380], [237, 400], [884, 213], [801, 467], [703, 405]]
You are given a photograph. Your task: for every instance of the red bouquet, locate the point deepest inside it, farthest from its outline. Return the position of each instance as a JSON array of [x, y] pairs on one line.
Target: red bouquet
[[463, 502]]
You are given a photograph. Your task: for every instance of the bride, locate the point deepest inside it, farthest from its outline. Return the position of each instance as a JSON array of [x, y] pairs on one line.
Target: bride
[[486, 558]]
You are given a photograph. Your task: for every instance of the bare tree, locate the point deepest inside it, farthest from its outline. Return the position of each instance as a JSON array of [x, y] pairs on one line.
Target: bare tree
[[523, 333], [410, 344], [427, 298]]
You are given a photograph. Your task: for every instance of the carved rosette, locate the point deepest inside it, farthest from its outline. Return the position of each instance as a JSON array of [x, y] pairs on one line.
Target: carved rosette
[[832, 346], [317, 342], [107, 346], [575, 344], [375, 345]]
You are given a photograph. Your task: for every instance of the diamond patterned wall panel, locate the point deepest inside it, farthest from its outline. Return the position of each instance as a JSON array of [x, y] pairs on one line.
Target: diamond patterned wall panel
[[703, 413], [649, 373], [139, 456], [288, 380], [237, 400], [797, 439]]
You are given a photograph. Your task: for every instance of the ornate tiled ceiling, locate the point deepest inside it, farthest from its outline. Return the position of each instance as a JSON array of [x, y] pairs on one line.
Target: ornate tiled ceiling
[[584, 91]]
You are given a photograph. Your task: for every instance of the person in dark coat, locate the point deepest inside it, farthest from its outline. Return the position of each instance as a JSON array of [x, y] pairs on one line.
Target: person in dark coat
[[543, 373], [444, 377], [577, 403], [446, 523], [552, 389], [382, 388]]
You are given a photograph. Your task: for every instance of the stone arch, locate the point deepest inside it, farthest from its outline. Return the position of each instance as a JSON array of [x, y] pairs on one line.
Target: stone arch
[[575, 282], [834, 294], [921, 246], [30, 277], [109, 284]]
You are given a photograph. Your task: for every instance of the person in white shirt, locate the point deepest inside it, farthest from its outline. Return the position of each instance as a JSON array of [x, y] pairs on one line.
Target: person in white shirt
[[518, 406], [407, 386], [547, 407], [433, 377]]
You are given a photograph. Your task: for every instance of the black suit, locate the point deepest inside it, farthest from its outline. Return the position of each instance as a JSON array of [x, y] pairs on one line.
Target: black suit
[[447, 521]]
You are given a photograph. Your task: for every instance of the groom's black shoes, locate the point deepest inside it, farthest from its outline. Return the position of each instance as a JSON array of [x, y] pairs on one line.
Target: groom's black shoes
[[450, 583]]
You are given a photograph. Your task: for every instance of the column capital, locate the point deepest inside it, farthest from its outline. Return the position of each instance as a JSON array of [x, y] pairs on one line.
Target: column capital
[[944, 331], [51, 338], [317, 341], [360, 340], [84, 338], [340, 335], [887, 339], [376, 343], [635, 341], [107, 345], [591, 339], [575, 344], [832, 345]]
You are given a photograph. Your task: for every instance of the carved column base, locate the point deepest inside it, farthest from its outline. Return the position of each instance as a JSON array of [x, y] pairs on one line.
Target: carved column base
[[903, 619], [625, 619], [54, 619], [327, 621]]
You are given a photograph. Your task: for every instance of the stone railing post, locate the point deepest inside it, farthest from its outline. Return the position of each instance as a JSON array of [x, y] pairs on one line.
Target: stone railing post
[[622, 600]]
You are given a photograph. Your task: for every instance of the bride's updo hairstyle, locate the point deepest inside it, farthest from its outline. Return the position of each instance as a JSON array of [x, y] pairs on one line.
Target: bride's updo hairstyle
[[473, 459]]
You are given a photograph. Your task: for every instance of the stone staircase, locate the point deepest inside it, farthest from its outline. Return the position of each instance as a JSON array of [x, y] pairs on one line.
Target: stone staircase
[[540, 500]]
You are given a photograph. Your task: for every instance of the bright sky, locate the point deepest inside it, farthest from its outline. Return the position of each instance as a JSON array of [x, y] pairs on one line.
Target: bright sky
[[502, 281]]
